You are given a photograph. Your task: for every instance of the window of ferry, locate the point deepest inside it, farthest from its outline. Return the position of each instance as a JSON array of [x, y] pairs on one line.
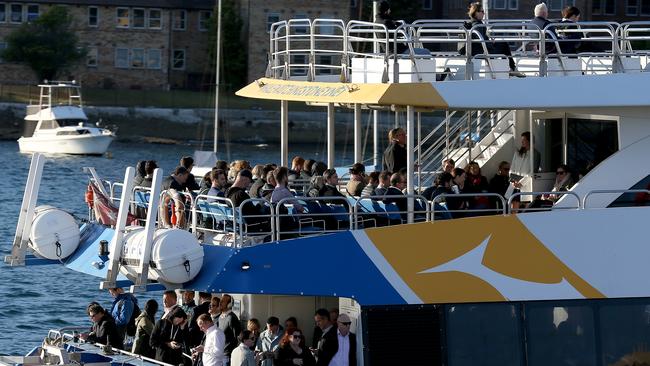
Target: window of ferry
[[3, 13], [513, 4], [589, 142], [560, 335], [204, 20], [138, 18], [32, 12], [155, 19], [93, 16], [153, 58], [137, 58], [484, 334], [122, 16], [270, 19], [179, 19], [16, 13], [625, 333]]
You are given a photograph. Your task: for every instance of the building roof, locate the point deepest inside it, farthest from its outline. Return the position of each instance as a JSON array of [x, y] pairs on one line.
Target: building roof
[[168, 4]]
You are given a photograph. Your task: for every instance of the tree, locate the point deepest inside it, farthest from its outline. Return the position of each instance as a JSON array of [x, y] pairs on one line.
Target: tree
[[47, 45], [234, 63]]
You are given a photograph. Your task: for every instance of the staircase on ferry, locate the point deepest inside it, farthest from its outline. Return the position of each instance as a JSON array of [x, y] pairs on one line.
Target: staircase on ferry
[[486, 137]]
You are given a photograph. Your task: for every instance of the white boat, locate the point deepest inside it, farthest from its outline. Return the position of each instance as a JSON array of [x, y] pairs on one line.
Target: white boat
[[62, 128], [563, 285]]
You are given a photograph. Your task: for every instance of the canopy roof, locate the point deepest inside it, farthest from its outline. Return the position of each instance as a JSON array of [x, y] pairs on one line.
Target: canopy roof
[[614, 90]]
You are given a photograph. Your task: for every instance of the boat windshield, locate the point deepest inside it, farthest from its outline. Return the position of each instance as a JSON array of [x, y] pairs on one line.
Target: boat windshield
[[73, 122]]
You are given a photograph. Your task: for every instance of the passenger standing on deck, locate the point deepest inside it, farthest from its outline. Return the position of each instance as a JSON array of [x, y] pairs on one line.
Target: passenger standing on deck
[[395, 153], [168, 337], [187, 162], [122, 309], [521, 169], [347, 353], [104, 330], [144, 327], [292, 350], [169, 302], [212, 348], [269, 341], [188, 302], [242, 355], [203, 308], [214, 309], [327, 344], [229, 323]]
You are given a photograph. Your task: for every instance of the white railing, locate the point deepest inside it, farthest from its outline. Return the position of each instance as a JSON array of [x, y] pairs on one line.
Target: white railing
[[324, 49]]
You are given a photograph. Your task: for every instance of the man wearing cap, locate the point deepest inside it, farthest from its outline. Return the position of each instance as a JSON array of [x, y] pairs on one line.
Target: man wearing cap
[[347, 353]]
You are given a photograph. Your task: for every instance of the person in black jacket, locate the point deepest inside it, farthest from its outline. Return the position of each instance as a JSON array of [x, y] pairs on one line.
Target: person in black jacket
[[328, 344], [541, 13], [395, 153], [169, 337], [104, 330], [203, 308], [187, 162]]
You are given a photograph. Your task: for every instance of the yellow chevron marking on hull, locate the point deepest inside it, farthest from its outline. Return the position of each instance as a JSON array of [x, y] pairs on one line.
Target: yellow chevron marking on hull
[[511, 251]]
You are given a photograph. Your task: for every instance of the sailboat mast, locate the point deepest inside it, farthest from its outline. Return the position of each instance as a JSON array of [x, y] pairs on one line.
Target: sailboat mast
[[216, 89]]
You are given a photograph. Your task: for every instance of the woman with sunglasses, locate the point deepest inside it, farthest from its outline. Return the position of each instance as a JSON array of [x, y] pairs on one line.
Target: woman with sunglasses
[[292, 351], [563, 182]]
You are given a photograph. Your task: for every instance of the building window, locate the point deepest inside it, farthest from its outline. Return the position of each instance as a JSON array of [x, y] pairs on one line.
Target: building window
[[3, 13], [32, 12], [499, 4], [204, 20], [138, 20], [610, 7], [91, 57], [122, 58], [558, 5], [300, 27], [324, 60], [16, 13], [645, 7], [3, 46], [154, 57], [427, 4], [179, 19], [298, 65], [122, 15], [178, 60], [93, 16], [631, 7], [155, 19], [270, 19], [137, 58], [513, 4], [607, 7]]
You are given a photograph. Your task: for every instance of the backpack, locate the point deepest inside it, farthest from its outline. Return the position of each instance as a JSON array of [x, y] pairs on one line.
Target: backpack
[[131, 326]]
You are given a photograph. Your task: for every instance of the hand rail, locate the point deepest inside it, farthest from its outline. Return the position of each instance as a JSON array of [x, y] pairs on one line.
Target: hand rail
[[243, 224], [557, 193], [437, 199], [382, 198], [212, 199], [299, 201], [606, 191]]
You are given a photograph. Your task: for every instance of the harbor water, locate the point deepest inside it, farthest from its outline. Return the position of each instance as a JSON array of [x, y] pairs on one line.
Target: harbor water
[[39, 298]]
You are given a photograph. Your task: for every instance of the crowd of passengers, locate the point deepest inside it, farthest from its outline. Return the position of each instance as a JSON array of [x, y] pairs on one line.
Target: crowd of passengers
[[239, 181], [570, 42], [211, 334]]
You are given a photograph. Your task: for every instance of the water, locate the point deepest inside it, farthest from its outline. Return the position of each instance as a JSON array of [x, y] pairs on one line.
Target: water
[[38, 298]]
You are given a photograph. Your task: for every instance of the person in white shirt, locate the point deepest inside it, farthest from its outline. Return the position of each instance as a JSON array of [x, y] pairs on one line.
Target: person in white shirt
[[211, 351], [243, 355], [347, 352]]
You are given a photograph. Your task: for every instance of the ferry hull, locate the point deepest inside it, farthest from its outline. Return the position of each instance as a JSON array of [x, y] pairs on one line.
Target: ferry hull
[[77, 145]]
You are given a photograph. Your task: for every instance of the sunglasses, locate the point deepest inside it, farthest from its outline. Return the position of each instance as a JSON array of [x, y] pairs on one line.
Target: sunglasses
[[559, 172], [346, 323]]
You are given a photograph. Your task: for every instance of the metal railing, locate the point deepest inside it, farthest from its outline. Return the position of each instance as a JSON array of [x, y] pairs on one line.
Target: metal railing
[[307, 49], [540, 195], [437, 202], [611, 191]]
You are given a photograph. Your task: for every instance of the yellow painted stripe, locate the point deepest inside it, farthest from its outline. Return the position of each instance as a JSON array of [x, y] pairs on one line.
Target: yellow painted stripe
[[512, 251], [413, 94]]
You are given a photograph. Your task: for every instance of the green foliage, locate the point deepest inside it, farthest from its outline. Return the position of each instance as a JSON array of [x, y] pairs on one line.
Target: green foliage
[[233, 51], [47, 45]]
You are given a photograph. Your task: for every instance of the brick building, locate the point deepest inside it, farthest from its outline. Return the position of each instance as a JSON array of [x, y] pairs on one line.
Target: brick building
[[143, 44]]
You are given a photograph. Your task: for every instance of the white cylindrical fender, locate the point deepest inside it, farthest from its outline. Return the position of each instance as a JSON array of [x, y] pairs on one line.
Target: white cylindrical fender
[[54, 233], [176, 255]]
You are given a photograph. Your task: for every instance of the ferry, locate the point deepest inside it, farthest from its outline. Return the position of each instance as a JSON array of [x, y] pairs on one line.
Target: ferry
[[559, 285], [62, 128]]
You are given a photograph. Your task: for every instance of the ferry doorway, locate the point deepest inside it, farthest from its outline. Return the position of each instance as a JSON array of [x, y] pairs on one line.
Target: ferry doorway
[[581, 141]]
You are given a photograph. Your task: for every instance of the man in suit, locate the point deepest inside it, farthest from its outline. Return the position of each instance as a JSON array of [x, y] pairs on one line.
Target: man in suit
[[327, 345], [347, 341], [541, 13], [196, 335]]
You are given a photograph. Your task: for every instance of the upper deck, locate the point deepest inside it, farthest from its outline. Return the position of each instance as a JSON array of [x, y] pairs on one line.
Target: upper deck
[[366, 63]]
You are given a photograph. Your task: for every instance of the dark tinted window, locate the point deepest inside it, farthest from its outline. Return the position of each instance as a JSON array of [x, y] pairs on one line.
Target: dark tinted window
[[560, 335], [485, 334], [625, 334]]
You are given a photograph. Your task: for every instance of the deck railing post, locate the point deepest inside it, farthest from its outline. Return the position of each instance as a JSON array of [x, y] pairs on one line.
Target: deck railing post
[[410, 158]]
